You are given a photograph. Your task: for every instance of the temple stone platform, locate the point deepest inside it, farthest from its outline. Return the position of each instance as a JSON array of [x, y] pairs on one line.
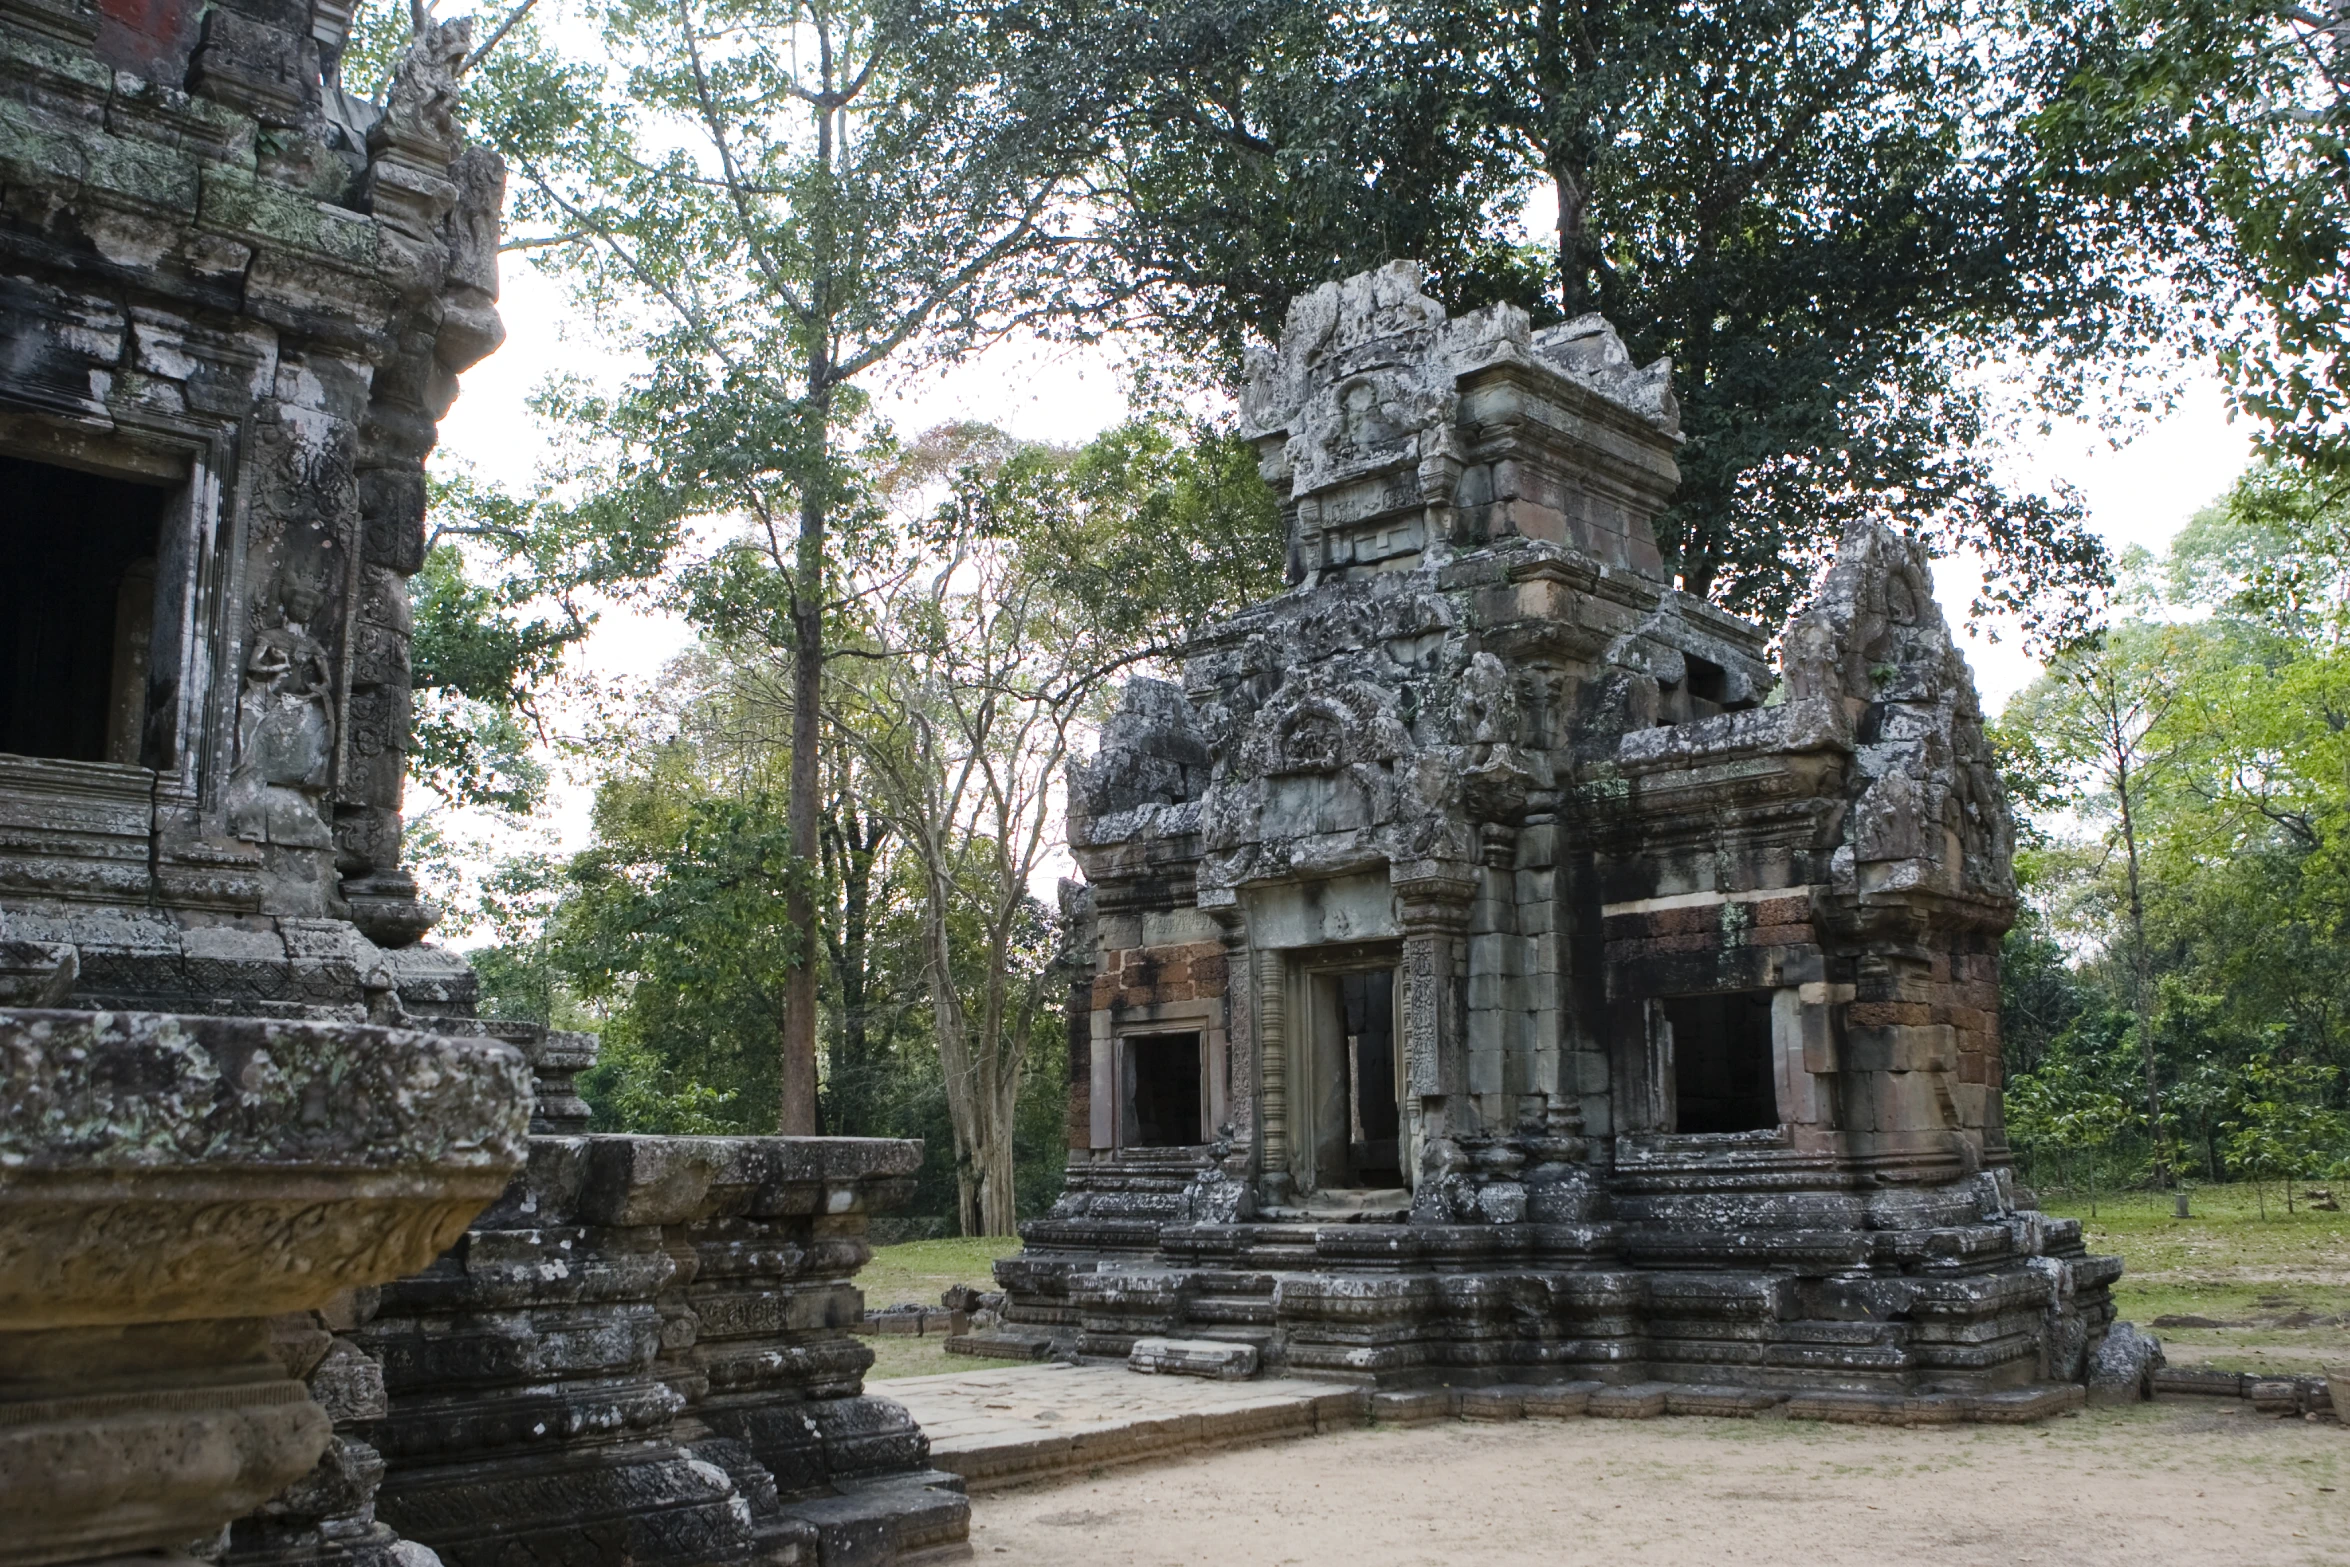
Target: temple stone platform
[[1022, 1423]]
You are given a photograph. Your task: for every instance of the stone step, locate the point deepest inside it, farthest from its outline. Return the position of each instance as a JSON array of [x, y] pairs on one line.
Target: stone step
[[884, 1521], [1194, 1357], [1024, 1423]]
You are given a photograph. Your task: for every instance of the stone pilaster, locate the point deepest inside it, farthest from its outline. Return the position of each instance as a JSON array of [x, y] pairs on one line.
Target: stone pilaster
[[1272, 1058], [1432, 905]]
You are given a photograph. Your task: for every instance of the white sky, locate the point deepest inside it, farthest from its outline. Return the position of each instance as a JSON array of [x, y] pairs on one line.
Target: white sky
[[2140, 494]]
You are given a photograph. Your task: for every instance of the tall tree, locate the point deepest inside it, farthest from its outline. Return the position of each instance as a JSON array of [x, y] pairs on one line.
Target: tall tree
[[763, 203], [1040, 576], [2202, 749], [2101, 718]]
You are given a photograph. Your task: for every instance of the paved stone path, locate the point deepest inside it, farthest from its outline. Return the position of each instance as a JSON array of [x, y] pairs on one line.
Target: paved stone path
[[1024, 1423]]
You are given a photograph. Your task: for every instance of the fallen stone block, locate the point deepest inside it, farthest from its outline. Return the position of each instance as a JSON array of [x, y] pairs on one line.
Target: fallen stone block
[[2274, 1395], [2122, 1369], [1194, 1357], [2195, 1381], [999, 1346]]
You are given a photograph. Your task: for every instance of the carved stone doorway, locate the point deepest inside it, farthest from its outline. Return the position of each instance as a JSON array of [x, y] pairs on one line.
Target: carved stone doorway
[[1355, 1081]]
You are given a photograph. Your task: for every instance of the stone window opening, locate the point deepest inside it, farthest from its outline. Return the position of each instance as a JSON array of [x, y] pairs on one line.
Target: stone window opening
[[77, 611], [1358, 1141], [1723, 1062], [1702, 692], [1162, 1102]]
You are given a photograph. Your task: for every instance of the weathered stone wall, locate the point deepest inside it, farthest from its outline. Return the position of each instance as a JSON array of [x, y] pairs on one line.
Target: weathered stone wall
[[251, 294], [234, 302]]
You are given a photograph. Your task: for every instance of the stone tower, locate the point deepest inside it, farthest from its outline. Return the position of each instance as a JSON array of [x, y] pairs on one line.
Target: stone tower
[[1496, 969]]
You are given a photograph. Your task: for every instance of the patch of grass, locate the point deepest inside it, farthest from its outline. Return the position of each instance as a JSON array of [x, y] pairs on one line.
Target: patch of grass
[[2272, 1293], [895, 1356], [2226, 1241], [914, 1273]]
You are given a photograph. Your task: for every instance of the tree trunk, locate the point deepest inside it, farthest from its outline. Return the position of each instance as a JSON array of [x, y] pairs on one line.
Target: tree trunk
[[796, 1102], [1577, 251], [2141, 974], [998, 1198], [852, 1064], [952, 1026]]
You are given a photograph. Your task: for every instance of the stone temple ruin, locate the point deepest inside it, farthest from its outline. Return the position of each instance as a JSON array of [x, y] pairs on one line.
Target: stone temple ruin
[[300, 1260], [1495, 971], [1497, 974]]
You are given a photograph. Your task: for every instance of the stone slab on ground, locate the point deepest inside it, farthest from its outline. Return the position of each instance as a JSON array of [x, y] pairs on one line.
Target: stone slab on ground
[[1021, 1423], [916, 1321], [999, 1346], [1194, 1357]]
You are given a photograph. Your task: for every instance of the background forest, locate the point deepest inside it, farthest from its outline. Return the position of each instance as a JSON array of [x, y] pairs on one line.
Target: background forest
[[1881, 243]]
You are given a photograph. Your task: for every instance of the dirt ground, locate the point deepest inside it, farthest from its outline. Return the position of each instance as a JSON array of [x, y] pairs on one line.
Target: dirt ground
[[2175, 1482]]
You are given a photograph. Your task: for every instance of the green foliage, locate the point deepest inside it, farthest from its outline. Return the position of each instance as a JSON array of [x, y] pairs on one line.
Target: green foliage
[[2230, 969], [632, 1088], [1155, 531], [2068, 1115], [2279, 1133], [1829, 213], [505, 594], [676, 919], [2039, 996], [2224, 123]]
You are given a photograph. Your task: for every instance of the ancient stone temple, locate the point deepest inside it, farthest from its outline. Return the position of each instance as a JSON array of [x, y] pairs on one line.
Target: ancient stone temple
[[300, 1260], [1499, 967]]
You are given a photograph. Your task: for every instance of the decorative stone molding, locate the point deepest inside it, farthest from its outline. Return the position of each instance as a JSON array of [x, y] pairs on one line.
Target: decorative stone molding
[[167, 1184]]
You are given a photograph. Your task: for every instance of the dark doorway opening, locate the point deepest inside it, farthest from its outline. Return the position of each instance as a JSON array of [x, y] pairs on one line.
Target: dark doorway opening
[[1357, 1141], [1162, 1092], [1722, 1072], [77, 610], [1368, 1003]]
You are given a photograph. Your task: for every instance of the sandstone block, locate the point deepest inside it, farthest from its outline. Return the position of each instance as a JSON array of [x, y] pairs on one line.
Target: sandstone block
[[1228, 1362]]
